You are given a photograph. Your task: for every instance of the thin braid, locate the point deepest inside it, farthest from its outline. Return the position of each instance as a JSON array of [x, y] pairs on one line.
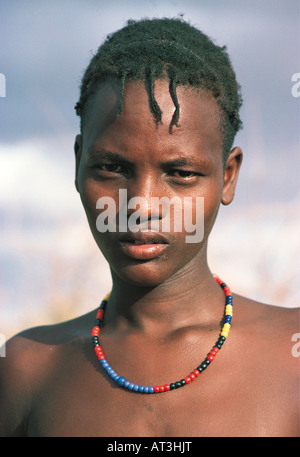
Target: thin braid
[[123, 84], [154, 105], [175, 117]]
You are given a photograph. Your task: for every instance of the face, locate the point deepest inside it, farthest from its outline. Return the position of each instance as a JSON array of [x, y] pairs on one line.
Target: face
[[132, 156]]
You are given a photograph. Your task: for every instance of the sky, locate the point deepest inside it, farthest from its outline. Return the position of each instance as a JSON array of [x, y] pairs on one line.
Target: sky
[[45, 48]]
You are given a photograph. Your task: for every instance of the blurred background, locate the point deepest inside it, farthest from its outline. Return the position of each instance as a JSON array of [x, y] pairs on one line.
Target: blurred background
[[50, 267]]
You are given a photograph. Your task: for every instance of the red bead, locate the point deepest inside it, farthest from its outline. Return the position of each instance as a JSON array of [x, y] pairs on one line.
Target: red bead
[[187, 379], [99, 353], [219, 281], [196, 372], [167, 387], [156, 388], [161, 388], [213, 353], [227, 291], [192, 376], [95, 331], [210, 357], [100, 314], [216, 349]]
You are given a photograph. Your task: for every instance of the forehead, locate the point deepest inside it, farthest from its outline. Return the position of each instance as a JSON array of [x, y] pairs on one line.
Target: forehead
[[199, 119]]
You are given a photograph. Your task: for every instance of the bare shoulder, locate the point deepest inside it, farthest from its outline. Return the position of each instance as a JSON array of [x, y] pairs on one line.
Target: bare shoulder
[[31, 358], [268, 317], [273, 330]]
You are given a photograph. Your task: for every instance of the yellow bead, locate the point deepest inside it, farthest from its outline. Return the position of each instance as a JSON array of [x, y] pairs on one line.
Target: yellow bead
[[107, 296], [224, 333], [226, 327], [228, 310]]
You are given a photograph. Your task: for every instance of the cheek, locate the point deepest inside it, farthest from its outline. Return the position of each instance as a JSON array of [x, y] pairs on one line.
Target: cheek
[[89, 196], [91, 191], [212, 201], [211, 209], [201, 212]]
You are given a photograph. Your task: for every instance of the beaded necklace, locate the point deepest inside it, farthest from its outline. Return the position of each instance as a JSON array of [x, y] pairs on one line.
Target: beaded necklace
[[122, 382]]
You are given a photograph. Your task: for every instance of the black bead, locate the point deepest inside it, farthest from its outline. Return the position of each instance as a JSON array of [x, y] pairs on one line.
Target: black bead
[[182, 382], [222, 338], [200, 369], [203, 366], [207, 362], [177, 384], [95, 340], [172, 386], [218, 345]]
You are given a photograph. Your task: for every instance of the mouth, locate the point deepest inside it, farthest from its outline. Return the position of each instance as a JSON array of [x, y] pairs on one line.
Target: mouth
[[143, 245]]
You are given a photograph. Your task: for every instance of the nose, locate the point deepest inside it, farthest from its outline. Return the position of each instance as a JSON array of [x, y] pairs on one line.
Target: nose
[[141, 201]]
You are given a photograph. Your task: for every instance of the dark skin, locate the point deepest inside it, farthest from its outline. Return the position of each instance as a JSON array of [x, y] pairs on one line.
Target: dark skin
[[164, 314]]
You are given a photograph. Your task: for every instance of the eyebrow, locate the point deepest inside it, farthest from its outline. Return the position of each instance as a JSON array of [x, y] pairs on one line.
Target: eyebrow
[[187, 162], [180, 162], [106, 155]]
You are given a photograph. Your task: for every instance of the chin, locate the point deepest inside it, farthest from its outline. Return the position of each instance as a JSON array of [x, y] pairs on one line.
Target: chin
[[141, 275]]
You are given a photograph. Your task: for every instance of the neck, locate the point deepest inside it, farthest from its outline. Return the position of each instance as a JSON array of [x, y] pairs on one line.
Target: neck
[[189, 297]]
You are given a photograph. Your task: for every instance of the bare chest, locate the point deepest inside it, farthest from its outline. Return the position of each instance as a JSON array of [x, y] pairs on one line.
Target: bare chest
[[209, 406]]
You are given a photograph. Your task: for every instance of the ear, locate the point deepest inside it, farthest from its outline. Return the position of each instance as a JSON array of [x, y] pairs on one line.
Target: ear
[[231, 172], [78, 152]]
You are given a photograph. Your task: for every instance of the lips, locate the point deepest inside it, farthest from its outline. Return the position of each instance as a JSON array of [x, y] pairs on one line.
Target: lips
[[143, 245]]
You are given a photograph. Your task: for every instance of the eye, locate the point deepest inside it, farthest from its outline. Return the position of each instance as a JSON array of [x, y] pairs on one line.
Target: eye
[[111, 167], [179, 176], [107, 169], [183, 173]]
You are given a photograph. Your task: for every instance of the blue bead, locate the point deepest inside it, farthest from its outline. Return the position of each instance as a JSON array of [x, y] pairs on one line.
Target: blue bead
[[141, 389], [126, 384], [121, 380], [151, 390], [130, 386], [136, 387], [146, 389], [102, 361]]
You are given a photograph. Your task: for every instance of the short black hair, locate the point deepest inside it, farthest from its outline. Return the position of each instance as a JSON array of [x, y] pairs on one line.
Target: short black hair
[[171, 48]]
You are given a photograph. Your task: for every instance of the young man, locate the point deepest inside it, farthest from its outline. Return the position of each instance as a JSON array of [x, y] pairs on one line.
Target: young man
[[159, 110]]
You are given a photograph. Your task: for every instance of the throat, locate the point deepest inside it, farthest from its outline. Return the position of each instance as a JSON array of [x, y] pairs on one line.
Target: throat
[[169, 306]]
